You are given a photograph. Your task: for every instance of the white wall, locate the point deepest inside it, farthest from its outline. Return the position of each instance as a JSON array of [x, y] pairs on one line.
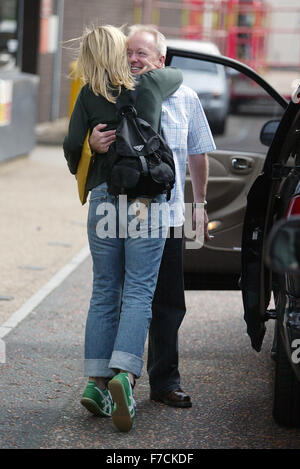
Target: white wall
[[283, 48]]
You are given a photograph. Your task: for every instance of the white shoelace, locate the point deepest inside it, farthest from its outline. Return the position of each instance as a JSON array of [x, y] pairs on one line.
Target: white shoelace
[[107, 402]]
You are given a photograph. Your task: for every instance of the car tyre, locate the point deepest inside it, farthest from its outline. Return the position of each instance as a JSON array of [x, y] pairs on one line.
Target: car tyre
[[286, 399], [219, 127], [234, 106]]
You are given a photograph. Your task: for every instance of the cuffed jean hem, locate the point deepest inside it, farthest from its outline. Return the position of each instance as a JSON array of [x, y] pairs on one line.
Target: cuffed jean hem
[[98, 367], [127, 362]]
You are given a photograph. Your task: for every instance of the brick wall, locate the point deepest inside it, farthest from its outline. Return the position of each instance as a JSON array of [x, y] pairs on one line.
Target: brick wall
[[79, 13], [45, 87]]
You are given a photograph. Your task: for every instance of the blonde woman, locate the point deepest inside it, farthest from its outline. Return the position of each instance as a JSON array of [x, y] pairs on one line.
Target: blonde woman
[[125, 268]]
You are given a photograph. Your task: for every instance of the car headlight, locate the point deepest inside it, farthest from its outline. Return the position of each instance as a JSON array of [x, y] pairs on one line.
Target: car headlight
[[216, 93]]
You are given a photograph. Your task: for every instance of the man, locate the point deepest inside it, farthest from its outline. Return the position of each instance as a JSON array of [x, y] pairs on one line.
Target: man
[[186, 131]]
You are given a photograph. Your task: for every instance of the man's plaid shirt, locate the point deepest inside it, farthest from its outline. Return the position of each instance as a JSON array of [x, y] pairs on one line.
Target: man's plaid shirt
[[186, 130]]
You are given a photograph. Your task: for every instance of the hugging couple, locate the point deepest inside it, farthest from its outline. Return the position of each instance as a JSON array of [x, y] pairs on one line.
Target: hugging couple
[[138, 282]]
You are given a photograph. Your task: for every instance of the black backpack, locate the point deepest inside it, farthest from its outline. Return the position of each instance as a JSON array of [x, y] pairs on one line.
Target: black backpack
[[139, 162]]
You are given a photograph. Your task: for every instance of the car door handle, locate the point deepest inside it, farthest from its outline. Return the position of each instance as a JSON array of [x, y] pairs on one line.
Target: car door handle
[[241, 164]]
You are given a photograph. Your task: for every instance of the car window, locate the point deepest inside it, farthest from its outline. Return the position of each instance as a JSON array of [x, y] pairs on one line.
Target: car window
[[187, 63], [236, 106], [8, 33]]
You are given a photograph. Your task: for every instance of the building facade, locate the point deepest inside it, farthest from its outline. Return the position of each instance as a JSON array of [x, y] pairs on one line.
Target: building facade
[[33, 40], [34, 34]]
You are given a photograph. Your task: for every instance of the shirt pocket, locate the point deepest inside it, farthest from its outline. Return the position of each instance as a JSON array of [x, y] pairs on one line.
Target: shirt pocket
[[177, 136]]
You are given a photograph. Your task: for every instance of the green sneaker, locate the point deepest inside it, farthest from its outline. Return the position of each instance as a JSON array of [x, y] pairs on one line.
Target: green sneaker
[[97, 401], [124, 404]]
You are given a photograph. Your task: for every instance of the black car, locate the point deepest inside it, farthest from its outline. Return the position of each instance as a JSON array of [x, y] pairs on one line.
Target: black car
[[253, 182], [274, 196]]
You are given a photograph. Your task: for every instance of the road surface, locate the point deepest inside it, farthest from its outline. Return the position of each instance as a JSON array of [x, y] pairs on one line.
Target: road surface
[[230, 384]]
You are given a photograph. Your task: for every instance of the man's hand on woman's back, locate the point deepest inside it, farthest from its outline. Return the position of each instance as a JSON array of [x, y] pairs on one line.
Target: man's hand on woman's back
[[101, 140]]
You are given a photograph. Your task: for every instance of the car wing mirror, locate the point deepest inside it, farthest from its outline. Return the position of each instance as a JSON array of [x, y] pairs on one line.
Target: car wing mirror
[[283, 246], [268, 131]]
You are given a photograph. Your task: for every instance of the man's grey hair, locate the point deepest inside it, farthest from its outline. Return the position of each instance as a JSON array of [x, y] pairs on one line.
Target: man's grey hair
[[159, 38]]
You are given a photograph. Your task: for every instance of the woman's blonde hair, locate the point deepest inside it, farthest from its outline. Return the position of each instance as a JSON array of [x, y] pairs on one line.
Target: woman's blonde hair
[[103, 63]]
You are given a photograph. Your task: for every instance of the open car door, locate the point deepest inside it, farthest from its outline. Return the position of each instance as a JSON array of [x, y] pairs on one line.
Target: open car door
[[237, 102], [268, 200]]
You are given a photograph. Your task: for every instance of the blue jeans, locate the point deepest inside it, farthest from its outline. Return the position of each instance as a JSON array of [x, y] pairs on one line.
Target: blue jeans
[[126, 249]]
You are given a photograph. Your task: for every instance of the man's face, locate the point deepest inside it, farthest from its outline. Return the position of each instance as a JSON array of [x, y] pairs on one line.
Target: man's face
[[142, 53]]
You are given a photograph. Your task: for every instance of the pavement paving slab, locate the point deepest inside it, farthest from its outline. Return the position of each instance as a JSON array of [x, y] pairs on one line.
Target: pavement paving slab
[[43, 224]]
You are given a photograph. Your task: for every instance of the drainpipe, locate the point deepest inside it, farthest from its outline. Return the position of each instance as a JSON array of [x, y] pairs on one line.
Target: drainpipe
[[20, 23], [57, 63], [147, 14]]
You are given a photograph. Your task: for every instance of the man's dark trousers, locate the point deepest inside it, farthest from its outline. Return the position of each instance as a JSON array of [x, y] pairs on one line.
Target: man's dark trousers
[[168, 310]]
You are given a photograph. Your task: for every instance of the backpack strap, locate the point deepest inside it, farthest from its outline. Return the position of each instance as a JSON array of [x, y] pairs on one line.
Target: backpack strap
[[144, 165], [130, 109], [132, 99]]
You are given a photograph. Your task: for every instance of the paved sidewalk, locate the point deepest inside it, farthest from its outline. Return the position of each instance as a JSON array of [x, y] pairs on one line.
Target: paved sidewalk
[[43, 224], [42, 228]]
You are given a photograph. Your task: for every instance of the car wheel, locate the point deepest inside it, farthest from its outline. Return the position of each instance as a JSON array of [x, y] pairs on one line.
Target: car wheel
[[219, 127], [234, 106], [286, 399]]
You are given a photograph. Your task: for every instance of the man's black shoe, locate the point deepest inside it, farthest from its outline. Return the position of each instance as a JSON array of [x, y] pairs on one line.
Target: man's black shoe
[[174, 398]]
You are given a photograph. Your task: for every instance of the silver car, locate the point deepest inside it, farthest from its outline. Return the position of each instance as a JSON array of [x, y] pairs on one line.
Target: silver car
[[208, 79]]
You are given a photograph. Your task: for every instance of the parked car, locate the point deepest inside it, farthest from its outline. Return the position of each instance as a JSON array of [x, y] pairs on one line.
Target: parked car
[[274, 196], [254, 182], [246, 94], [208, 79]]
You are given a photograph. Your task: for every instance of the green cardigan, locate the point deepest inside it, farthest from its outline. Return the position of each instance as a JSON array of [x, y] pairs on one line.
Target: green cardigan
[[89, 110]]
